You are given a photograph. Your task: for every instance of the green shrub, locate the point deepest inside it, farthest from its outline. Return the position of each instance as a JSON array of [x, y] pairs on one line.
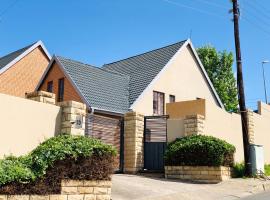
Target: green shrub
[[267, 170], [199, 150], [34, 165], [239, 170]]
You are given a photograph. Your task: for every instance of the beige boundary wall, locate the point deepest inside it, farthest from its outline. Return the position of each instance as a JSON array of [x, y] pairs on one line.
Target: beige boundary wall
[[72, 190], [24, 123], [219, 123]]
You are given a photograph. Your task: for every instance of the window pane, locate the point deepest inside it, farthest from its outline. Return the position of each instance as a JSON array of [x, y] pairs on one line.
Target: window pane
[[50, 86], [61, 89], [158, 103], [172, 98]]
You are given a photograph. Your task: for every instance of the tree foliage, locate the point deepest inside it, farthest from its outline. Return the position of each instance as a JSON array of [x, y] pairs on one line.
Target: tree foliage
[[218, 65]]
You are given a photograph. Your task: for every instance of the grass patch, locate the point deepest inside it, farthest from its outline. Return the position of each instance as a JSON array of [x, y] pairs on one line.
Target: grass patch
[[239, 170], [267, 170]]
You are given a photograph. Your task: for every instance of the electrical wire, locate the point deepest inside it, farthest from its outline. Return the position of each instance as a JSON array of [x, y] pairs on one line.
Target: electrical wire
[[213, 4], [8, 8], [259, 10], [193, 8]]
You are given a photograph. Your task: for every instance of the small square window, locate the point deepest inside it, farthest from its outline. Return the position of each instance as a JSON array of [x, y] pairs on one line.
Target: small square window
[[172, 98]]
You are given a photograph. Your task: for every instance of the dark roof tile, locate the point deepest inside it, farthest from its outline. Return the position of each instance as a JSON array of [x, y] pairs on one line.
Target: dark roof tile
[[143, 68]]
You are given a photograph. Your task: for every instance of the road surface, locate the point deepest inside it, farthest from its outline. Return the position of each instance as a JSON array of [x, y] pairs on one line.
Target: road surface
[[260, 196]]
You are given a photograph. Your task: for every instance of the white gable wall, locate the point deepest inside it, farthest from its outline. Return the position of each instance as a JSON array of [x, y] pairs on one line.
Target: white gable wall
[[183, 78]]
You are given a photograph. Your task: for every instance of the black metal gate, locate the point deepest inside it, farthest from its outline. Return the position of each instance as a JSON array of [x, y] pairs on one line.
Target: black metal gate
[[110, 131], [155, 142]]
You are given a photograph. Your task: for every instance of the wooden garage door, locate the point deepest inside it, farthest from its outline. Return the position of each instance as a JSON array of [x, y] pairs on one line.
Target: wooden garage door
[[108, 130]]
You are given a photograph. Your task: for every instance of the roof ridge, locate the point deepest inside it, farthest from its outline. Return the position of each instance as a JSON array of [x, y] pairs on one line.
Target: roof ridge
[[145, 52], [92, 66]]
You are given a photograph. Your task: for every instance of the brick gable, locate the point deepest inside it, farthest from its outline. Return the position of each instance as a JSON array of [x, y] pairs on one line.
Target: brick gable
[[24, 75], [54, 74]]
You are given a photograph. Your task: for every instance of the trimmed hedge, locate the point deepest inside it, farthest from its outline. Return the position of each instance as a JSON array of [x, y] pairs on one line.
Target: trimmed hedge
[[29, 168], [199, 150]]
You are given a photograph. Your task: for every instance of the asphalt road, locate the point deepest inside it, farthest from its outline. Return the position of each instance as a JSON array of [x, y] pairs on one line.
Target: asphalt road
[[260, 196]]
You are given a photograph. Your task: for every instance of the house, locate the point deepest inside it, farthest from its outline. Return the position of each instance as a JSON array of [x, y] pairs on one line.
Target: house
[[143, 83], [21, 70]]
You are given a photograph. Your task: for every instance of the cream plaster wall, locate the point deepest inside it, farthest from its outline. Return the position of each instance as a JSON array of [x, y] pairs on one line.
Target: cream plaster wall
[[262, 129], [221, 124], [226, 126], [175, 129], [25, 123], [183, 78]]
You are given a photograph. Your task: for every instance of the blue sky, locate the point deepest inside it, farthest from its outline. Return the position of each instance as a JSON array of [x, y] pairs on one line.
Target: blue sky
[[102, 31]]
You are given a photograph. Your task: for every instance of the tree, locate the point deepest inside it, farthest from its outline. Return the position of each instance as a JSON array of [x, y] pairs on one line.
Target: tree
[[218, 66]]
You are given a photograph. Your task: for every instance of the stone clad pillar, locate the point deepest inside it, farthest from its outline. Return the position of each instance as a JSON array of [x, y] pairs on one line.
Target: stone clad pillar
[[251, 135], [194, 124], [73, 117], [41, 96], [133, 140]]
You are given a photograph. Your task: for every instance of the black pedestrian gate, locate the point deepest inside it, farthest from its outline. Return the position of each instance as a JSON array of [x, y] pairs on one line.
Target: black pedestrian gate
[[155, 142]]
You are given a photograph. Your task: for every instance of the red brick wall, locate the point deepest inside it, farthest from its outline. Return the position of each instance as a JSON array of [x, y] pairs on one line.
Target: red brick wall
[[24, 75], [54, 74]]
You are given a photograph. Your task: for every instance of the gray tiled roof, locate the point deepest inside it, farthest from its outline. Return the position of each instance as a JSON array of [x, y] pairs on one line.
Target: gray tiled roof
[[143, 68], [10, 57], [102, 90]]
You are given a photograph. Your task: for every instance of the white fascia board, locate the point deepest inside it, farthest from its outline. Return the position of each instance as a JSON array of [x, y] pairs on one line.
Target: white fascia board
[[187, 42], [206, 75], [26, 52]]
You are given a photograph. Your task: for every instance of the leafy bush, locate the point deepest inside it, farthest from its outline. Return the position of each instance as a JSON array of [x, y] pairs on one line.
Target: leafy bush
[[199, 150], [28, 168], [239, 170]]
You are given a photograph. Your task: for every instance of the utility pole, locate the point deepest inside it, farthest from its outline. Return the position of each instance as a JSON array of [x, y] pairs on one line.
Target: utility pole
[[241, 92]]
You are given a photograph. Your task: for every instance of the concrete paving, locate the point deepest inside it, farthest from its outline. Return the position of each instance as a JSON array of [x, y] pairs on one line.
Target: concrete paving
[[133, 187], [260, 196]]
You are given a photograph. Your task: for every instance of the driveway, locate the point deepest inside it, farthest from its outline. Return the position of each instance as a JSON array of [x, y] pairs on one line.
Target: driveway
[[131, 187]]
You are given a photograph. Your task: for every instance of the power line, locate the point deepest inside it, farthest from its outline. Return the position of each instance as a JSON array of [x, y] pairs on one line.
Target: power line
[[260, 18], [8, 8], [259, 10], [213, 4], [261, 28], [193, 8]]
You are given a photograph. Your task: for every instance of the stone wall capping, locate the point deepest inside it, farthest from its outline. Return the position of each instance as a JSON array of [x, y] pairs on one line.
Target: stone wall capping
[[41, 96], [39, 93]]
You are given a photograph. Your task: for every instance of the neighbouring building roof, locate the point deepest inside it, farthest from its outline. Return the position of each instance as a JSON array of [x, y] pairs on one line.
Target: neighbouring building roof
[[10, 59], [143, 68], [101, 89]]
